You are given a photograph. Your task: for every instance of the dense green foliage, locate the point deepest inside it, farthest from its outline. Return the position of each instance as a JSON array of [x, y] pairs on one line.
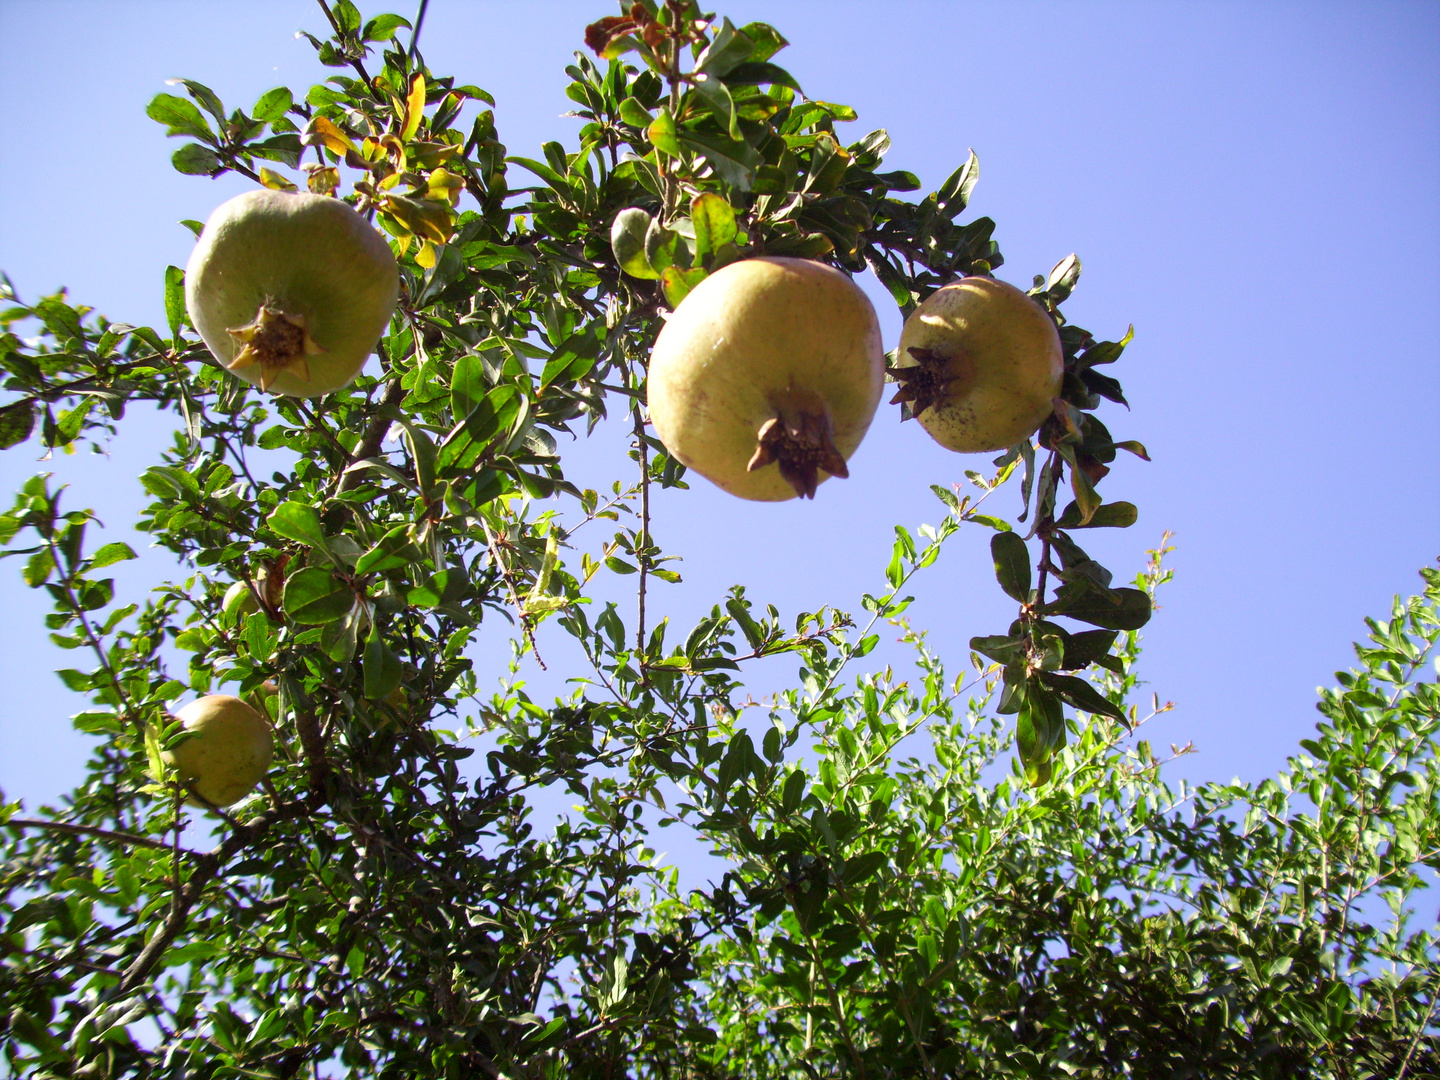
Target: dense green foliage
[[901, 897]]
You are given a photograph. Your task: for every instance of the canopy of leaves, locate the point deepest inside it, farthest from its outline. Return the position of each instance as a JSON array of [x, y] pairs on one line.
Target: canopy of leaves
[[896, 902]]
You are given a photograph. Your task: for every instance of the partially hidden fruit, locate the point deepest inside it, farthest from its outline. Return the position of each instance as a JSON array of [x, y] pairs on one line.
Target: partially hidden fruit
[[229, 752], [980, 364], [291, 291], [766, 377], [239, 600]]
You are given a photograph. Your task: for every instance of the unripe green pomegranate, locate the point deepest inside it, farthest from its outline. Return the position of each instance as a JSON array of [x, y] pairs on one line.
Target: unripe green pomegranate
[[980, 363], [239, 600], [228, 754], [766, 377], [291, 291]]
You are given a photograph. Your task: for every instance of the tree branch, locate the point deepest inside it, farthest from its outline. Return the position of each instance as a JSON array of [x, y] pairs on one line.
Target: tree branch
[[91, 830]]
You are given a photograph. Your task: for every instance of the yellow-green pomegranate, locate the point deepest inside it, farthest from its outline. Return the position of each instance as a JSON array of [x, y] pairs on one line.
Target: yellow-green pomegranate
[[291, 291], [766, 377], [229, 752], [980, 364]]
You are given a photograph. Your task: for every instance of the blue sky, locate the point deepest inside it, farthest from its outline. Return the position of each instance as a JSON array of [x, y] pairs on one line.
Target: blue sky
[[1255, 186]]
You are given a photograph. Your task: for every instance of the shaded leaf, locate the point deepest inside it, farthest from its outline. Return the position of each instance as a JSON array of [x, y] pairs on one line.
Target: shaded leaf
[[627, 242], [1114, 609], [714, 221], [315, 596], [1112, 515], [1012, 565], [17, 421], [192, 159], [298, 521], [677, 283], [1082, 695]]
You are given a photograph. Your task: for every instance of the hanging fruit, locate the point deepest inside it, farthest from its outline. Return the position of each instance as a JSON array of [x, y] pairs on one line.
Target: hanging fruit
[[766, 377], [980, 364], [291, 291]]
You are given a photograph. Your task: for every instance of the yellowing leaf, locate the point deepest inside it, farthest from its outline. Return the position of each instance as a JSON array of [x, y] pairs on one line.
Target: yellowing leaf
[[275, 182], [322, 132], [414, 107], [426, 218], [445, 186], [323, 180]]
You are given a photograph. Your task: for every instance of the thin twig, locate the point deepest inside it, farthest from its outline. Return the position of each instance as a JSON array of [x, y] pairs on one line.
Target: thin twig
[[207, 866], [91, 830], [354, 63], [374, 434], [642, 549], [415, 33], [1419, 1032], [509, 580]]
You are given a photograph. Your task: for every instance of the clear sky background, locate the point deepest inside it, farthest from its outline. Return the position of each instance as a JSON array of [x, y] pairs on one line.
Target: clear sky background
[[1256, 186]]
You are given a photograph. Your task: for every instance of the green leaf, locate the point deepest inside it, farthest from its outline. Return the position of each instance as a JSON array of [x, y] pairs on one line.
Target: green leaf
[[180, 117], [192, 159], [1104, 352], [204, 95], [347, 15], [1087, 502], [620, 566], [733, 160], [954, 194], [714, 221], [1040, 724], [38, 568], [175, 301], [273, 104], [715, 96], [761, 74], [298, 521], [315, 596], [662, 247], [1114, 609], [727, 48], [1082, 695], [1087, 647], [663, 134], [382, 667], [111, 554], [468, 386], [748, 626], [635, 114], [765, 40], [194, 226], [627, 241], [395, 549], [17, 421], [677, 283], [1012, 565], [545, 172], [1001, 649], [1114, 515], [383, 27]]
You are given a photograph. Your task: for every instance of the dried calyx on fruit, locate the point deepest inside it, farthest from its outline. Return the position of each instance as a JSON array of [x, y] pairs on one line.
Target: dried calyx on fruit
[[979, 364], [291, 291], [228, 751], [766, 377]]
